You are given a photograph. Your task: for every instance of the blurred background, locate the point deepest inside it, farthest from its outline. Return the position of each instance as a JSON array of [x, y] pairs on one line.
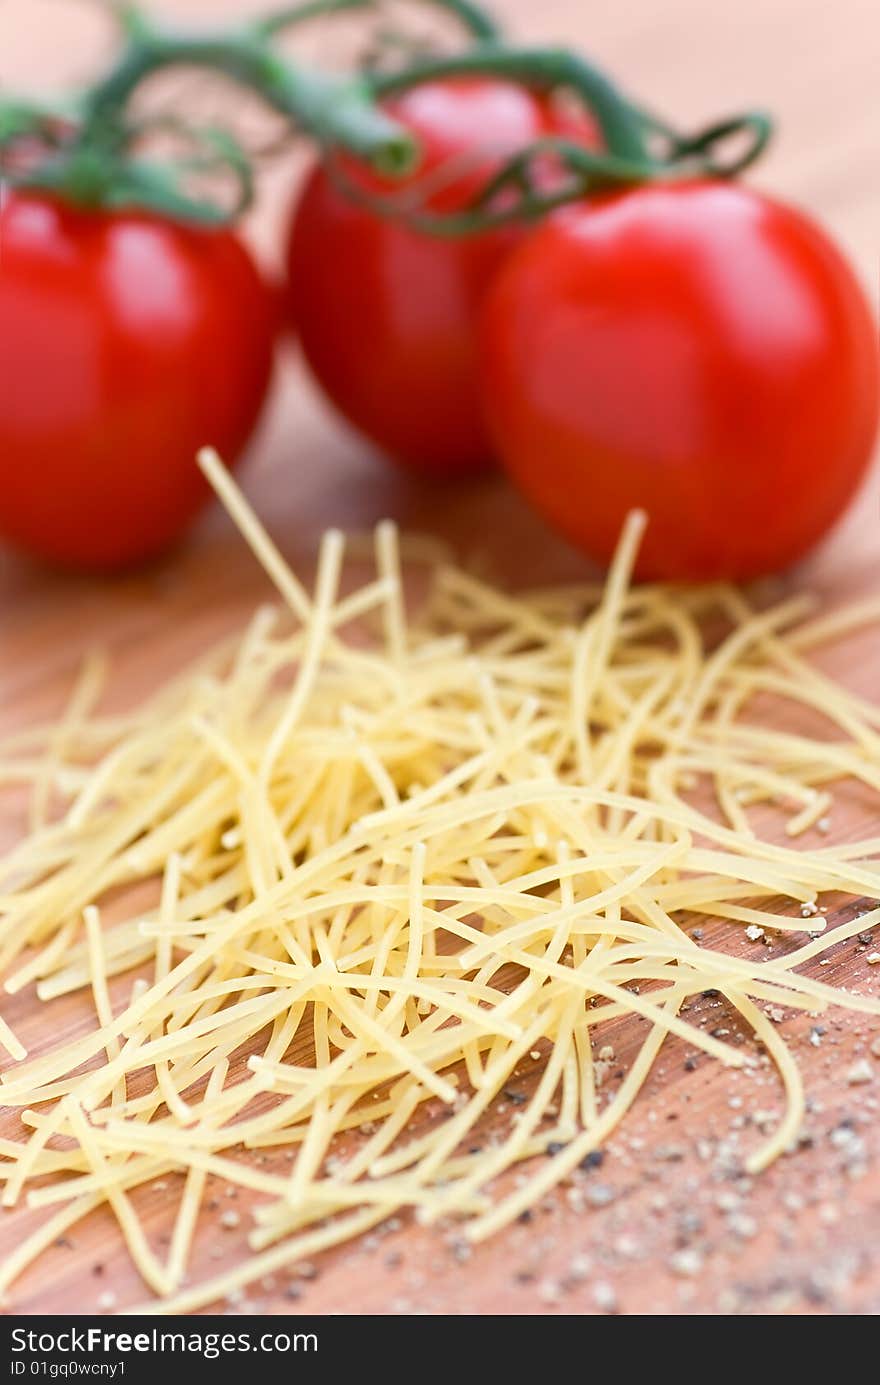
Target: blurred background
[[813, 64]]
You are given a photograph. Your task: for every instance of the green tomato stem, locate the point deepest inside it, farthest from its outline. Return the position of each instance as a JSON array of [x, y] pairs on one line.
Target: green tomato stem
[[96, 167], [24, 116], [291, 15], [549, 68]]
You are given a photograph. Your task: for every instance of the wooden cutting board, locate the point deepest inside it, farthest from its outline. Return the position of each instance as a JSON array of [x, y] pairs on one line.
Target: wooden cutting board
[[664, 1225]]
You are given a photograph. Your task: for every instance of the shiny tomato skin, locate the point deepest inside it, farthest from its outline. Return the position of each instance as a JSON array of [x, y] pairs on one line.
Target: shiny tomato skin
[[386, 316], [127, 342], [698, 351]]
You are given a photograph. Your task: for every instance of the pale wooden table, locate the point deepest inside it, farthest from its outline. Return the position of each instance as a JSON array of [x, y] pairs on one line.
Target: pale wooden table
[[805, 1237]]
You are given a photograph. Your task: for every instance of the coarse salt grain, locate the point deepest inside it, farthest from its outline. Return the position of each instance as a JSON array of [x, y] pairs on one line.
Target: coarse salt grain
[[860, 1073]]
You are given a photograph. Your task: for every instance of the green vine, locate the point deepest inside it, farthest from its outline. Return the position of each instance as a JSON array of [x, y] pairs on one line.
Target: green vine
[[87, 147], [539, 68]]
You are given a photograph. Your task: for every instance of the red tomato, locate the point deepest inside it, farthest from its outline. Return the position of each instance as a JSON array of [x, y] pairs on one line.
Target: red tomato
[[126, 343], [699, 351], [386, 316]]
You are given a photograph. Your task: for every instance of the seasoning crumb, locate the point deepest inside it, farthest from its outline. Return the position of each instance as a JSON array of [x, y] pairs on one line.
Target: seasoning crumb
[[729, 1301], [107, 1301], [575, 1198], [754, 933], [601, 1069], [843, 1135], [628, 1247], [230, 1220], [873, 958], [859, 1073], [669, 1154]]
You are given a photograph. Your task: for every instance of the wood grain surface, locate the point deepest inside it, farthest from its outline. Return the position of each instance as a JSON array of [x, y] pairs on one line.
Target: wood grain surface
[[666, 1224]]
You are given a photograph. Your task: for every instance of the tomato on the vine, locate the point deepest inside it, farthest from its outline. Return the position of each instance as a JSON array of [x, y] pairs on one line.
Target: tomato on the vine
[[127, 342], [698, 351], [386, 314]]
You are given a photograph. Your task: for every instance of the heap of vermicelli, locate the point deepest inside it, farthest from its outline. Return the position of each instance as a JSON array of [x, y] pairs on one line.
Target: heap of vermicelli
[[387, 872]]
